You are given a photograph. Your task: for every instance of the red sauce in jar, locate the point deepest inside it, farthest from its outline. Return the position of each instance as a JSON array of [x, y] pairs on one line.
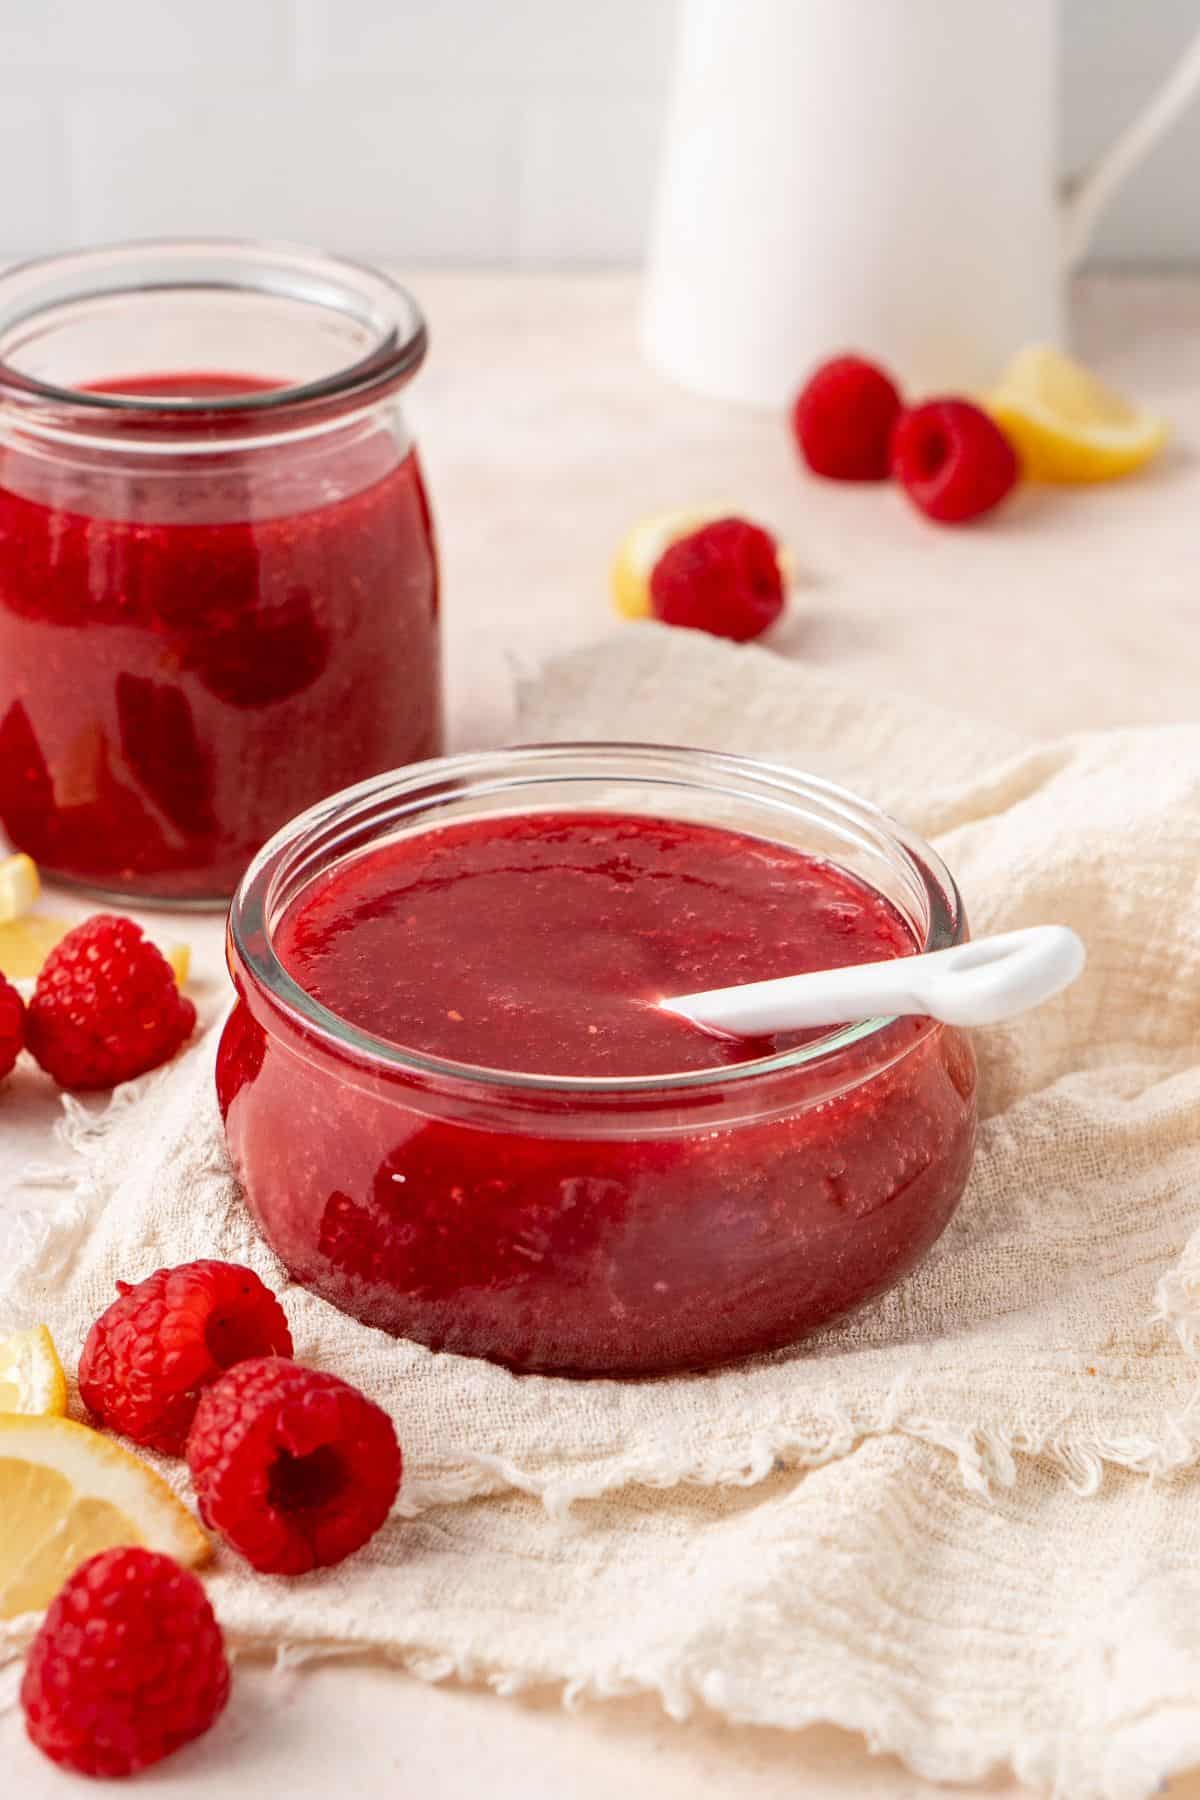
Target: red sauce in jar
[[539, 944], [194, 648]]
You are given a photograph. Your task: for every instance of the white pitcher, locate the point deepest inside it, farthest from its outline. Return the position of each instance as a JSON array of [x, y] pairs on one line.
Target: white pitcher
[[876, 175]]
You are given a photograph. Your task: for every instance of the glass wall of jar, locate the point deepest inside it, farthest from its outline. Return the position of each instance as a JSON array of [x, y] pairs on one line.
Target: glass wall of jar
[[218, 583], [607, 1226]]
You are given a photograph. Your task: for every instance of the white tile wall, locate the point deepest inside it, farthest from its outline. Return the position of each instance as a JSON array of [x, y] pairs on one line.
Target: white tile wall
[[586, 177], [24, 39], [427, 177], [487, 131], [535, 45], [203, 42], [35, 190]]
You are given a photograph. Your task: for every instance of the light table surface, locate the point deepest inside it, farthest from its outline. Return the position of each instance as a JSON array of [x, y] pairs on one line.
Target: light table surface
[[544, 438]]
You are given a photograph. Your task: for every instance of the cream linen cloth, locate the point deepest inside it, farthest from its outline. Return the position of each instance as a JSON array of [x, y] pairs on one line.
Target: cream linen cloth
[[964, 1523]]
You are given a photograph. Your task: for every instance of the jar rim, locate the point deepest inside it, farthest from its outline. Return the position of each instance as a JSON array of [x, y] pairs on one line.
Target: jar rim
[[261, 899], [33, 289]]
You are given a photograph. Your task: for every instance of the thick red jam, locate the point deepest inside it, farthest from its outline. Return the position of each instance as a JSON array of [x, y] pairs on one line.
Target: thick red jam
[[563, 1200], [196, 646]]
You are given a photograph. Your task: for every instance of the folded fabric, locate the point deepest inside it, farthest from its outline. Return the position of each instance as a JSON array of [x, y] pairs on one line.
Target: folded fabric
[[930, 1523]]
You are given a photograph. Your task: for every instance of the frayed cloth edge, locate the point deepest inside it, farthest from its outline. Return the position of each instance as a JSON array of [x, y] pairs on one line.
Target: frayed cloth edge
[[986, 1457]]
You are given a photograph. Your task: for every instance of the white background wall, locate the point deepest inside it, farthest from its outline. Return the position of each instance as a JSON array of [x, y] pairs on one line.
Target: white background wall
[[474, 131]]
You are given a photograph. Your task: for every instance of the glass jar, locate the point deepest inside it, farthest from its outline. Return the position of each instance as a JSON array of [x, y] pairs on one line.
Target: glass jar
[[218, 586], [594, 1227]]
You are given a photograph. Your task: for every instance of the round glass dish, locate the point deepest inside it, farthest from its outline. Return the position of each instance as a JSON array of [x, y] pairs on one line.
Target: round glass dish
[[218, 585], [594, 1227]]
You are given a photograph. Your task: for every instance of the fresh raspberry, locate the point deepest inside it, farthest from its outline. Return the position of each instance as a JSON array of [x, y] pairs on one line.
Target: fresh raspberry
[[149, 1357], [723, 578], [952, 460], [12, 1026], [293, 1467], [106, 1006], [842, 420], [128, 1665]]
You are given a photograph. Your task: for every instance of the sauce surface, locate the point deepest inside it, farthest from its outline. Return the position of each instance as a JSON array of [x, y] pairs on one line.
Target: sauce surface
[[542, 943]]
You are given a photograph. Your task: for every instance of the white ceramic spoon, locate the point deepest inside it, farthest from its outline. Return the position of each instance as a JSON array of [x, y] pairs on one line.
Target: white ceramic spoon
[[970, 984]]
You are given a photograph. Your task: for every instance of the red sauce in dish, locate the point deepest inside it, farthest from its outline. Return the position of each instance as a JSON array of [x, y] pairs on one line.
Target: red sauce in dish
[[673, 1230], [543, 943]]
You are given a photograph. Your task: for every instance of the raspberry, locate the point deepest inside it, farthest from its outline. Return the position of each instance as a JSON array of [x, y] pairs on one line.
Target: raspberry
[[151, 1354], [723, 578], [293, 1467], [128, 1665], [952, 460], [12, 1026], [106, 1006], [842, 420]]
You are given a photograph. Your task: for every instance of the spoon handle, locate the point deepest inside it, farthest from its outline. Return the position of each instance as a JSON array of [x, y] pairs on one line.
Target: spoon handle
[[969, 984]]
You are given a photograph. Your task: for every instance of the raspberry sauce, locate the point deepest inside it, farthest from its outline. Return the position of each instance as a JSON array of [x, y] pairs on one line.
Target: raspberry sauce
[[195, 646], [542, 943], [676, 1226]]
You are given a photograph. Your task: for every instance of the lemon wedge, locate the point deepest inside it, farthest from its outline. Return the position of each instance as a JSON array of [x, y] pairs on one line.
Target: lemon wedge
[[640, 549], [642, 546], [31, 1376], [180, 958], [1066, 425], [66, 1493], [19, 886], [26, 943]]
